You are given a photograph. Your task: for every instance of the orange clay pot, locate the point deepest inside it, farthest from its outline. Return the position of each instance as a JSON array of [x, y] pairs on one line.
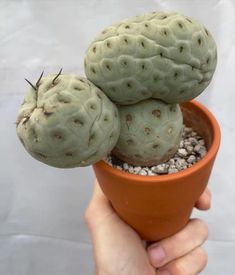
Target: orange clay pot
[[159, 206]]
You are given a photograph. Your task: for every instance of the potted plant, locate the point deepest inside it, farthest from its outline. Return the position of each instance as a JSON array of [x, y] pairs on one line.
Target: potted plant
[[142, 74]]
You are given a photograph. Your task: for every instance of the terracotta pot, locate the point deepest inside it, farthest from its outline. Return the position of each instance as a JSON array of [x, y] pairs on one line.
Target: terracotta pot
[[159, 206]]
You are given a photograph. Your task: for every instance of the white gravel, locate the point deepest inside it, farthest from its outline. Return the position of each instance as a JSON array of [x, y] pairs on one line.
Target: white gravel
[[192, 149]]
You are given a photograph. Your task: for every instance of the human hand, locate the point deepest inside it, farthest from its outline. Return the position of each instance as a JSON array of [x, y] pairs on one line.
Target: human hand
[[118, 249]]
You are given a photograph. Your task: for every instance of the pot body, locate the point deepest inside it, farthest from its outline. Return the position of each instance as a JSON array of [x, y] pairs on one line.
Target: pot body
[[159, 206]]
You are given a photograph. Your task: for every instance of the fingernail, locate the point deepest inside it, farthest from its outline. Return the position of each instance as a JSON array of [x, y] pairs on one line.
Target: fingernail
[[157, 255], [163, 272]]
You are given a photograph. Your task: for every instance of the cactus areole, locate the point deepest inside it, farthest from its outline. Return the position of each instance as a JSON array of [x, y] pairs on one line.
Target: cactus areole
[[138, 71]]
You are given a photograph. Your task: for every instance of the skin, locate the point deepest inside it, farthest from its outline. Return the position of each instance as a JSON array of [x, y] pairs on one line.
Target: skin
[[118, 250]]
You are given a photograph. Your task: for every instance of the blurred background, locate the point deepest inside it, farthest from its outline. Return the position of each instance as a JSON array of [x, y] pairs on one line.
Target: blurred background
[[42, 230]]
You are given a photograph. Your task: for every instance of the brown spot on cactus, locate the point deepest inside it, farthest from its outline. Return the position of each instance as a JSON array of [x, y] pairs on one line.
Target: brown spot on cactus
[[108, 67], [109, 45], [147, 130], [125, 40], [155, 78], [47, 114], [94, 49], [156, 113], [128, 84], [206, 31], [182, 92], [171, 150], [175, 75], [93, 107], [76, 88], [208, 60], [93, 70], [130, 141], [69, 154], [146, 25], [181, 49], [40, 155], [161, 54], [127, 27], [180, 25], [78, 122], [165, 32], [170, 130], [104, 31], [91, 139], [106, 118], [98, 94], [58, 136], [199, 41], [128, 118], [155, 146], [63, 100], [164, 17], [124, 63], [142, 44]]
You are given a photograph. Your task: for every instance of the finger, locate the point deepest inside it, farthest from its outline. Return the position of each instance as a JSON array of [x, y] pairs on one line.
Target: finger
[[99, 206], [190, 264], [193, 235], [98, 194], [204, 202]]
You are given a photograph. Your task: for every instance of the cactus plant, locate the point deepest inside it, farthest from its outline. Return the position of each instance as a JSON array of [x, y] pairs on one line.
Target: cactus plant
[[65, 121], [150, 132], [162, 55], [147, 65]]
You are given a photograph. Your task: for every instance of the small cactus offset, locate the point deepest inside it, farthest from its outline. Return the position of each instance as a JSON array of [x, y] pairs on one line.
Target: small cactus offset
[[65, 121], [150, 132], [162, 55], [138, 72]]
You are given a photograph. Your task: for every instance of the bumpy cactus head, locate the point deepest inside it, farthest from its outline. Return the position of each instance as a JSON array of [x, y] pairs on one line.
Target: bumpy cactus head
[[150, 132], [147, 65], [65, 121], [162, 55]]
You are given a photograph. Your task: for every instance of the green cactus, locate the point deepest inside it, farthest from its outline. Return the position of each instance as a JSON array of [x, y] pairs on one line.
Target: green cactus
[[65, 121], [162, 55], [150, 132]]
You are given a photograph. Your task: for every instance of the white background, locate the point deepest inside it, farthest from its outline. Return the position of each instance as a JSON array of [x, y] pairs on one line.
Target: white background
[[42, 231]]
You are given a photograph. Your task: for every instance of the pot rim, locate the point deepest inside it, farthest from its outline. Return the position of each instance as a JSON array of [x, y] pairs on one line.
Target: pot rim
[[181, 174]]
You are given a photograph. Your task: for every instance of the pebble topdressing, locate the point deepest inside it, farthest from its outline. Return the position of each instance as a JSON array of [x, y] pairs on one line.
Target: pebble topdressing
[[192, 148]]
